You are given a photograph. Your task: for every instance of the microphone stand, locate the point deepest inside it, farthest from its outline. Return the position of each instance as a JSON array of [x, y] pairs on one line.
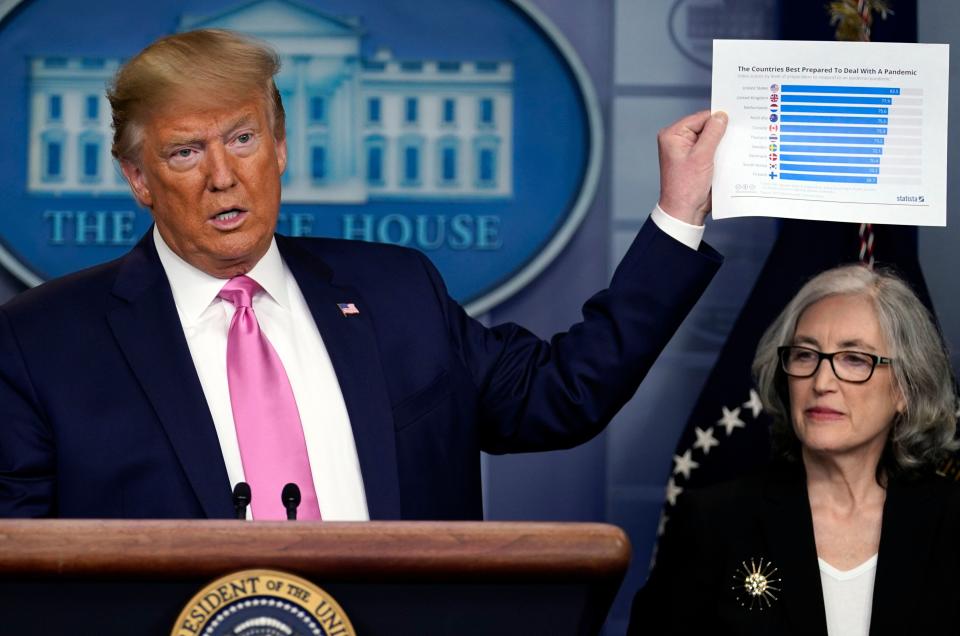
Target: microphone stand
[[241, 499], [291, 499]]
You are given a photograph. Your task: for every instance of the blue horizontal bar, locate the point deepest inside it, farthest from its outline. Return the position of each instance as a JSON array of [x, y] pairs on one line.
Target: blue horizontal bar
[[835, 99], [826, 139], [830, 159], [833, 119], [849, 130], [850, 150], [815, 168], [853, 90], [829, 178], [849, 110]]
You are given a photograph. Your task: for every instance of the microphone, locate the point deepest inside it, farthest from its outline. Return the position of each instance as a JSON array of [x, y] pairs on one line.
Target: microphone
[[291, 499], [241, 499]]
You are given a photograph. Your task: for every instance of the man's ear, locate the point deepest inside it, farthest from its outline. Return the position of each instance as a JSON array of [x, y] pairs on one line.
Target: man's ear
[[138, 182], [281, 145]]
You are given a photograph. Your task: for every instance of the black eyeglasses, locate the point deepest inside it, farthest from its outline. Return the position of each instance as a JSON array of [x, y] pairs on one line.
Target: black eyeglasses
[[849, 366]]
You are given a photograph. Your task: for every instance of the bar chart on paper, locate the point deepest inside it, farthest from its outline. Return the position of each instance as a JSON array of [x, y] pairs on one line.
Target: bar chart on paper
[[848, 134], [856, 141]]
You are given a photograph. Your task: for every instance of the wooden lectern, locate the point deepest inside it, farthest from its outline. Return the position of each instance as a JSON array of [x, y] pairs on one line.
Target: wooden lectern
[[106, 578]]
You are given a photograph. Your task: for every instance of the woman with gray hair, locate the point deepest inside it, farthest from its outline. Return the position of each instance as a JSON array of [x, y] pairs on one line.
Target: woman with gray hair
[[849, 531]]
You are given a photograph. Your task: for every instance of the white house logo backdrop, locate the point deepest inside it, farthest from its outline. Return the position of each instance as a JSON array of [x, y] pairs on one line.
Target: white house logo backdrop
[[464, 128]]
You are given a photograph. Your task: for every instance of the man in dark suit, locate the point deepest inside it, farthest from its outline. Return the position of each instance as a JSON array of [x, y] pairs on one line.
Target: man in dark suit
[[115, 398]]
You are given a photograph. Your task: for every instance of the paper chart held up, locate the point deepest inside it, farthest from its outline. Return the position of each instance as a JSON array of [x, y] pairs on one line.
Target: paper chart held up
[[832, 131]]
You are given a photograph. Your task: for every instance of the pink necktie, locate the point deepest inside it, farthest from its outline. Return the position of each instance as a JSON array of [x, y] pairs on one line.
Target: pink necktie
[[265, 412]]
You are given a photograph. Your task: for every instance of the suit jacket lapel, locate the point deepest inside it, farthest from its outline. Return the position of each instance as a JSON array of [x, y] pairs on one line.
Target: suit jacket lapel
[[352, 345], [910, 518], [788, 526], [148, 331]]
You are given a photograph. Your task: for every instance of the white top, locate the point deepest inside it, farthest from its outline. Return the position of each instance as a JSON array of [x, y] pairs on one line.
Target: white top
[[285, 319], [848, 597]]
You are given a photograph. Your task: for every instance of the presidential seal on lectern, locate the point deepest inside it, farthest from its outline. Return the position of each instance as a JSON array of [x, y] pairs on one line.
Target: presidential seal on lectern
[[262, 603]]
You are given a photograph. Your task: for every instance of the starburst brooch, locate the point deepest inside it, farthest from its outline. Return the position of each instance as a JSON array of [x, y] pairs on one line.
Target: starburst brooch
[[756, 585]]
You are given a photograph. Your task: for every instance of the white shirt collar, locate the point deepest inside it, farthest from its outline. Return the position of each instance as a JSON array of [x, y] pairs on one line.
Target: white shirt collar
[[195, 290]]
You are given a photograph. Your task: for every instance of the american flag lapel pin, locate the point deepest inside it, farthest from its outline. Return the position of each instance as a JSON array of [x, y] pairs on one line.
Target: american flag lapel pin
[[348, 309]]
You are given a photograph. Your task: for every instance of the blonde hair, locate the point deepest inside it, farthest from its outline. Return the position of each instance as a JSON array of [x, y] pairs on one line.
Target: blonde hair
[[207, 67]]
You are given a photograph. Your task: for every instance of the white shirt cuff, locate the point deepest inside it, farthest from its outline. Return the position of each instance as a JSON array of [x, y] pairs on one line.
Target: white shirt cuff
[[689, 235]]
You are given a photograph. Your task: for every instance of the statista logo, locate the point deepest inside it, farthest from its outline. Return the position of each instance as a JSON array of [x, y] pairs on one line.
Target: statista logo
[[409, 122], [911, 198]]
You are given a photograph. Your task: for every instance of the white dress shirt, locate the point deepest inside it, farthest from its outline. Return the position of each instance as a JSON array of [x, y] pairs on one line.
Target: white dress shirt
[[286, 321], [689, 235]]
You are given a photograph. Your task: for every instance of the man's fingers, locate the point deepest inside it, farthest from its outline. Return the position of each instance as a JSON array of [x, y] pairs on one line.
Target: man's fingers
[[711, 134], [688, 128], [694, 123]]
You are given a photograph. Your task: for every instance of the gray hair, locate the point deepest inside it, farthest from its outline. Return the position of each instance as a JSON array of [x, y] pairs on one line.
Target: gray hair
[[923, 434]]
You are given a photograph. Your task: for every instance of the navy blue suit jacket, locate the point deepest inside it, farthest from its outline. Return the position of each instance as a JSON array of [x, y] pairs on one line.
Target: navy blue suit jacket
[[102, 413]]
